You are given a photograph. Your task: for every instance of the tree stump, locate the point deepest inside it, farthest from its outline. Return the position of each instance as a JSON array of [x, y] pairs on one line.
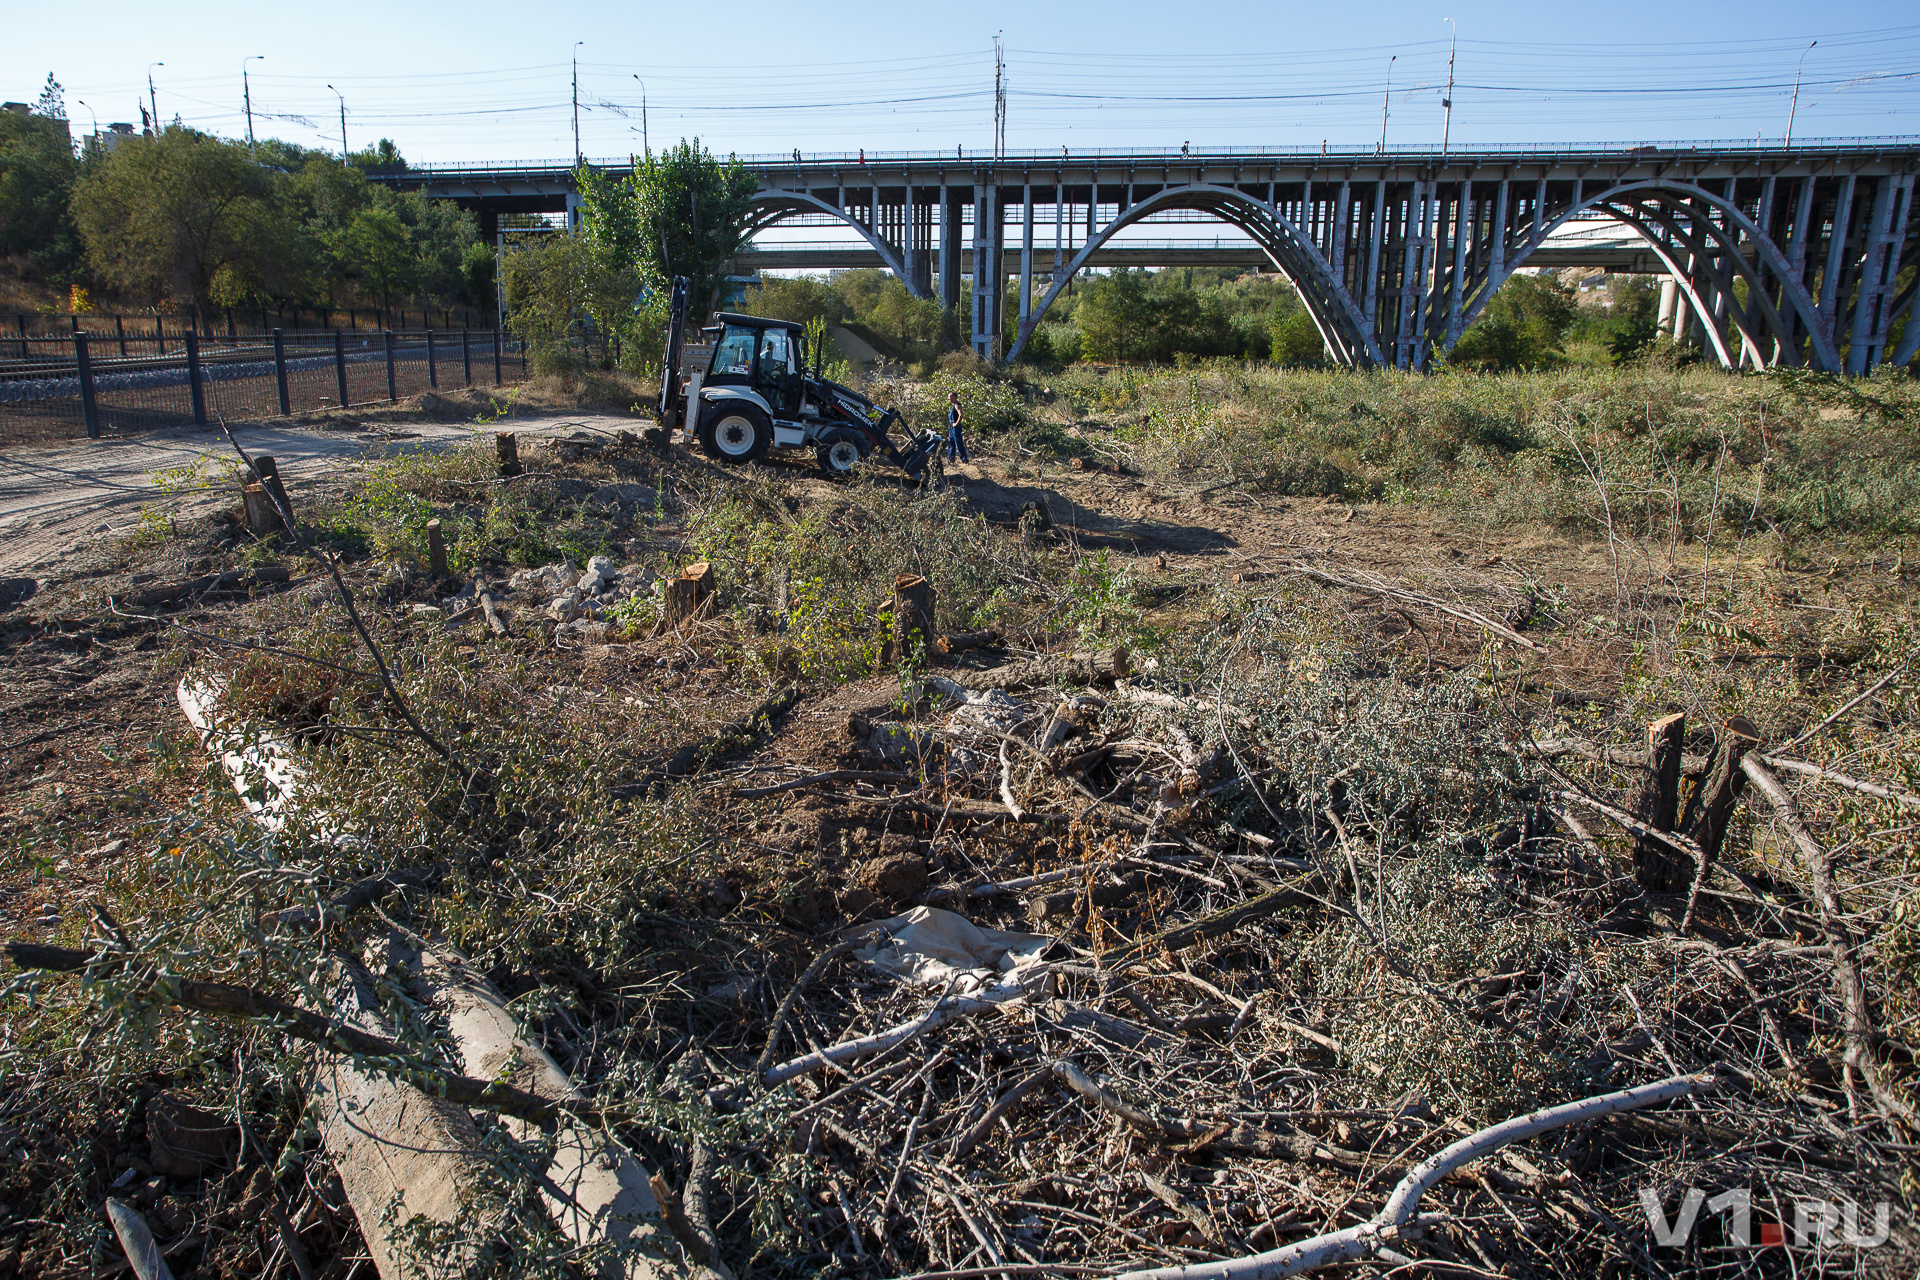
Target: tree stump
[[1656, 866], [507, 450], [1721, 790], [262, 519], [688, 596], [436, 550], [263, 490], [913, 599]]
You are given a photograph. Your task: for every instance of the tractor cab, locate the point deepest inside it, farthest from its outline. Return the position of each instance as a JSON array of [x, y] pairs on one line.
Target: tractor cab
[[767, 357]]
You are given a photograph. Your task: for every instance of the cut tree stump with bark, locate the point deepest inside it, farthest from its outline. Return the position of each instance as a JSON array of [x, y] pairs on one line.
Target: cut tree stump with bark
[[1655, 865], [1725, 781], [506, 449], [913, 601], [436, 550], [688, 597]]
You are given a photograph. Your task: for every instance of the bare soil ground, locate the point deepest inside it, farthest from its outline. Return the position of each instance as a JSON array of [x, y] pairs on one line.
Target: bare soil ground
[[92, 745]]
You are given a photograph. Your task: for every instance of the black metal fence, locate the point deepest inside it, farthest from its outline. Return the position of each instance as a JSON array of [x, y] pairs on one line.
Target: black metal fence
[[80, 384]]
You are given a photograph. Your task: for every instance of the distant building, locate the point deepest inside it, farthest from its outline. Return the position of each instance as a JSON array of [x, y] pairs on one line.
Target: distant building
[[18, 108], [116, 134]]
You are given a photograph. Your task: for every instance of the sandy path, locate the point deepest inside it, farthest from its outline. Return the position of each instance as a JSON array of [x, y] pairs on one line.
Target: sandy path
[[56, 500]]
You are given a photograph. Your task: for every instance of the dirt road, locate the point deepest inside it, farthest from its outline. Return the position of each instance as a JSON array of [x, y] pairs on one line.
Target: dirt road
[[55, 501]]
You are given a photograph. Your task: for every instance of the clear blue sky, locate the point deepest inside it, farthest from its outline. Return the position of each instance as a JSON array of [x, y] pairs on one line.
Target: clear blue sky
[[485, 80]]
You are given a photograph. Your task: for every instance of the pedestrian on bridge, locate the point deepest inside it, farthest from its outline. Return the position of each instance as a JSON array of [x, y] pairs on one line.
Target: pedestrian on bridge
[[956, 443]]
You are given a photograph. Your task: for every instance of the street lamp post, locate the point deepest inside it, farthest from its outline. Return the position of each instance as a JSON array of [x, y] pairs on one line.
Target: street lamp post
[[1794, 109], [644, 144], [1446, 130], [94, 117], [152, 100], [1385, 99], [343, 123], [246, 95]]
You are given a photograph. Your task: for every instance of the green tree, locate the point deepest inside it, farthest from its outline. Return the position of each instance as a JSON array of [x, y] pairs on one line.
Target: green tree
[[692, 212], [381, 157], [177, 215], [1521, 328], [556, 284], [1634, 323], [1116, 318], [377, 245], [1295, 337], [37, 173]]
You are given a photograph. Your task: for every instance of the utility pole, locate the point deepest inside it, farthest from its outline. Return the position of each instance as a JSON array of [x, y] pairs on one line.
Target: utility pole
[[246, 94], [343, 123], [576, 100], [153, 101], [1446, 130], [1385, 99], [1794, 109], [999, 102]]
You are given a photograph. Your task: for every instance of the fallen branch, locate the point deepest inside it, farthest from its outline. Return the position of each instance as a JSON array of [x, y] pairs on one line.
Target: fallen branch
[[356, 895], [1396, 1220], [943, 1010], [1235, 1138], [981, 1127], [1209, 926], [1413, 597], [386, 1056], [1906, 800], [831, 775], [820, 962], [1846, 973]]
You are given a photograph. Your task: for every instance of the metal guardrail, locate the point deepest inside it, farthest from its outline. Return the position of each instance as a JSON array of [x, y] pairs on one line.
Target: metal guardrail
[[1464, 154]]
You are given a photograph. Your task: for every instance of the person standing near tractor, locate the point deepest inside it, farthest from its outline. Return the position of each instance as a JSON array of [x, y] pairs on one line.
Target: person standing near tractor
[[956, 443]]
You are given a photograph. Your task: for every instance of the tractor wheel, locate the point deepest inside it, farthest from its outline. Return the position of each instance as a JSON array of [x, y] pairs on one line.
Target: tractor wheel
[[736, 434], [839, 452]]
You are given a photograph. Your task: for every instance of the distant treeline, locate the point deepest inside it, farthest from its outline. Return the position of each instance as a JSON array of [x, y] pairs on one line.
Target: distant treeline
[[196, 222], [1200, 313]]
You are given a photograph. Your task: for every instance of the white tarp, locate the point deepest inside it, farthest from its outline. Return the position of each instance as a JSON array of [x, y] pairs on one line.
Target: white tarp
[[928, 946]]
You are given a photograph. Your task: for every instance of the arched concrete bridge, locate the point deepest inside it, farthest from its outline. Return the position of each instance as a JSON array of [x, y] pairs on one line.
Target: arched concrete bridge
[[1796, 256]]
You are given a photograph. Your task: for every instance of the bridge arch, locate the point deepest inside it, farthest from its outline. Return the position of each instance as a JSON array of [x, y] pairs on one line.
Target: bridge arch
[[770, 208], [1653, 206], [1342, 326]]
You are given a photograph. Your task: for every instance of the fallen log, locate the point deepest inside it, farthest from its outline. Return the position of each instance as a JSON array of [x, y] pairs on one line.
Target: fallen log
[[594, 1191], [232, 580], [404, 1155], [964, 641], [1103, 667], [143, 1255]]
